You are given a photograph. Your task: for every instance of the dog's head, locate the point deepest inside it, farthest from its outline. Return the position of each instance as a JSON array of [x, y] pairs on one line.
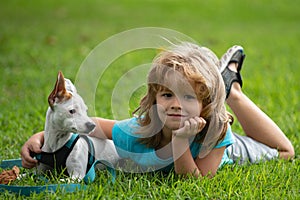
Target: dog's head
[[69, 112]]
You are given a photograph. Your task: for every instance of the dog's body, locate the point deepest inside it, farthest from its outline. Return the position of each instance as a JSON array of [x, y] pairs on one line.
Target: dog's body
[[67, 115]]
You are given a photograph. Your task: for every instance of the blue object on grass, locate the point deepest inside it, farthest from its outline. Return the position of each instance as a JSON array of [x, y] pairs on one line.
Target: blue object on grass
[[72, 187]]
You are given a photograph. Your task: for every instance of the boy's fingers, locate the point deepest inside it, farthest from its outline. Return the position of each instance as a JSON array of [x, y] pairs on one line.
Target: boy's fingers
[[193, 123], [27, 160], [191, 127], [201, 123]]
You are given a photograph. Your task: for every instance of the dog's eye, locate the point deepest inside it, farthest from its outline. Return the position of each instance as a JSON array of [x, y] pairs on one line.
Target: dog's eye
[[73, 111]]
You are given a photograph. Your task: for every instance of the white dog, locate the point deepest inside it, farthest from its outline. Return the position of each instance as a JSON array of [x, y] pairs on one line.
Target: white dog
[[66, 145]]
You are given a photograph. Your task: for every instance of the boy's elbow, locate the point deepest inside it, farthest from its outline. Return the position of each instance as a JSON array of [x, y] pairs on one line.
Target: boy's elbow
[[291, 153], [288, 153], [195, 173]]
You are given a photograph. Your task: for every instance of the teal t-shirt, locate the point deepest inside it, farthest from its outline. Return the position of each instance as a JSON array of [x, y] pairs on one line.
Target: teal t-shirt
[[127, 145]]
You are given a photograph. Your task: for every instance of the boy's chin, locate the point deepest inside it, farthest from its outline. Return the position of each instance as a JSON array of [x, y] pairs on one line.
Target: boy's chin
[[175, 128]]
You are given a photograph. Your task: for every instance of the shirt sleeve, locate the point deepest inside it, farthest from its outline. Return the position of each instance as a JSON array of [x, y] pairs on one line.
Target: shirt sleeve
[[228, 139]]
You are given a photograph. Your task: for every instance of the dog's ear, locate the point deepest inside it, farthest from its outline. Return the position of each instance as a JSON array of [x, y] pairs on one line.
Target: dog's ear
[[59, 92]]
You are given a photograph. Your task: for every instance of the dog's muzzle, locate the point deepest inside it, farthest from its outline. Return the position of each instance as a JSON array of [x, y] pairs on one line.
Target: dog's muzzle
[[90, 126]]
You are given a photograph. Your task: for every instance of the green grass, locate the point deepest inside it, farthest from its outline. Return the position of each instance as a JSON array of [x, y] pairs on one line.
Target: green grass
[[38, 38]]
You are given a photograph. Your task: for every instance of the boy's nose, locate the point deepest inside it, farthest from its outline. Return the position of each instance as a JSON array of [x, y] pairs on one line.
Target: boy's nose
[[176, 104]]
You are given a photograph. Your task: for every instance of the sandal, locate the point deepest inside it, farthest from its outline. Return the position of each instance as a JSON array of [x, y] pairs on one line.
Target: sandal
[[234, 54]]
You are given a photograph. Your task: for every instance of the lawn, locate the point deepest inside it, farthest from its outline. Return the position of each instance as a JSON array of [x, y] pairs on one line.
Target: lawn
[[39, 38]]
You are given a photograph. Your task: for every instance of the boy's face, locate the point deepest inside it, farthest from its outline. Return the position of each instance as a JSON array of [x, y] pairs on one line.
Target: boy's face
[[176, 107]]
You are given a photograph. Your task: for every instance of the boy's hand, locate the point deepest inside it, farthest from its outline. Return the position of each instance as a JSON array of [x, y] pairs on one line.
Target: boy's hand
[[33, 145], [190, 127]]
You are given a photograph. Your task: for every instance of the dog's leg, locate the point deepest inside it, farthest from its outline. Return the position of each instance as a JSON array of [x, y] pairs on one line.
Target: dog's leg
[[105, 150], [77, 161]]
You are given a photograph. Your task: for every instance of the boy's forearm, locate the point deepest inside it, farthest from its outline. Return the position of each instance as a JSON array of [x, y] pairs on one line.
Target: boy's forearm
[[103, 128], [183, 160]]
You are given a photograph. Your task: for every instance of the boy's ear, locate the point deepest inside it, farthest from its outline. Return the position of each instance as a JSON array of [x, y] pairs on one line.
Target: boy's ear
[[59, 92]]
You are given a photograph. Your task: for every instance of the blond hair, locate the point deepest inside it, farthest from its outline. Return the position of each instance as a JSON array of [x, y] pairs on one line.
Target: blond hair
[[197, 67]]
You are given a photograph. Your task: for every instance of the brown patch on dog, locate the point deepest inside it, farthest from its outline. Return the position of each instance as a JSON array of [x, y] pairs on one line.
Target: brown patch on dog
[[59, 92]]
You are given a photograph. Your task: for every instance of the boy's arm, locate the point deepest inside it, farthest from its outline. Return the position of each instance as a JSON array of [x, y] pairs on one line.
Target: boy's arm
[[184, 163], [35, 142], [209, 164], [103, 128]]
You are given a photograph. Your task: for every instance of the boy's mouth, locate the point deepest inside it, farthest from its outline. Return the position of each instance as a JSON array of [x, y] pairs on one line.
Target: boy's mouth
[[175, 115]]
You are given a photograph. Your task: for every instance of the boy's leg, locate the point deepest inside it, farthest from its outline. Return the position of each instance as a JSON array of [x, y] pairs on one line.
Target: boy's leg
[[256, 124], [247, 150]]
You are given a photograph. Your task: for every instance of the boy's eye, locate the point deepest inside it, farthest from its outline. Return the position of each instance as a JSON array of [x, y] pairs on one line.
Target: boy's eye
[[72, 111], [168, 95], [189, 97]]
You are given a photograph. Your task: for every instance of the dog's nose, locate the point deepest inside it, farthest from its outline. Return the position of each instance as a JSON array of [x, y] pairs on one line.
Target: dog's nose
[[90, 125]]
